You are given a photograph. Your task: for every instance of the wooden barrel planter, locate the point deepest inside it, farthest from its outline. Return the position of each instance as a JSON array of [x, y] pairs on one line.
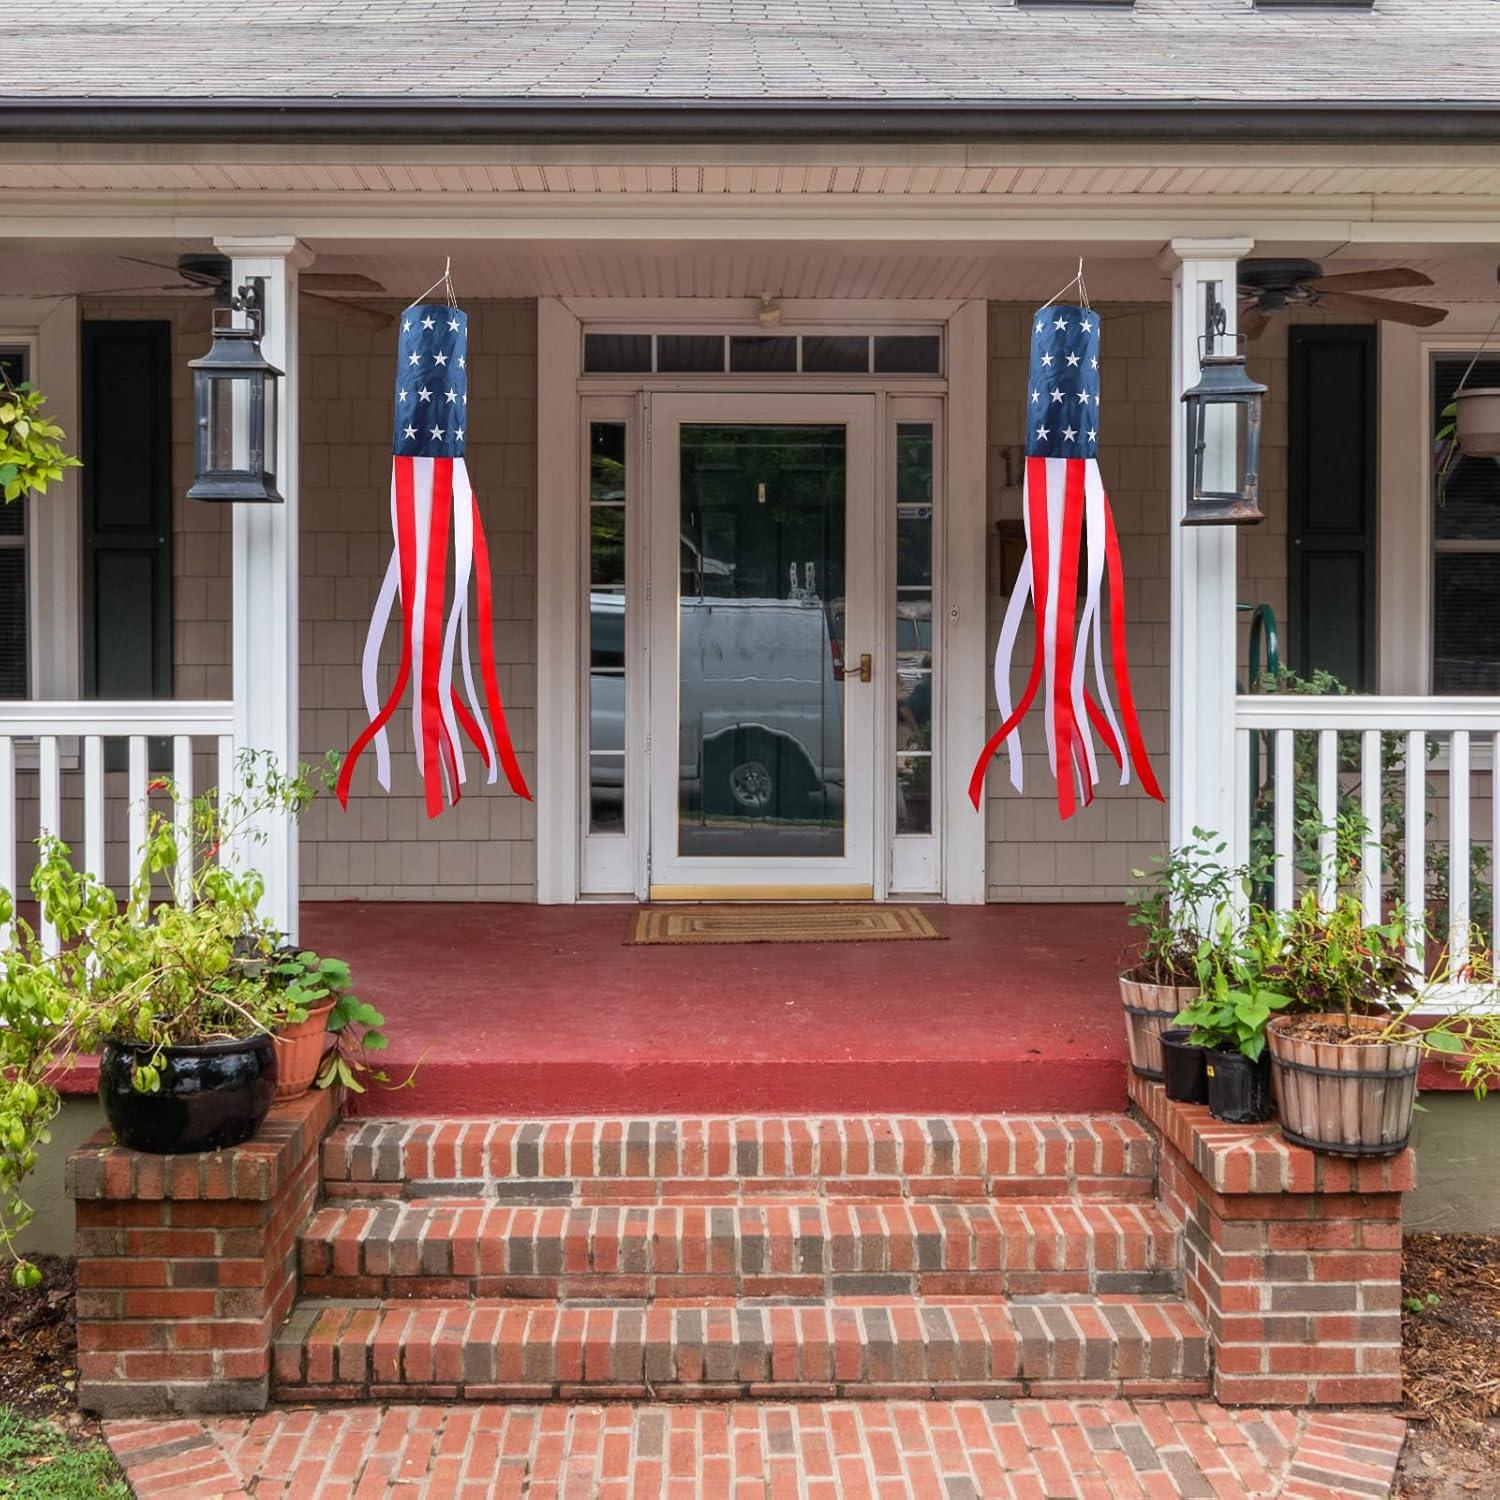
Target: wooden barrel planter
[[1149, 1008], [1343, 1098]]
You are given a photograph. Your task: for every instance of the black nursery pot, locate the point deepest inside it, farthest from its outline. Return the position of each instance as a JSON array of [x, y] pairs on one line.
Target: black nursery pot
[[1184, 1074], [1239, 1091], [212, 1095]]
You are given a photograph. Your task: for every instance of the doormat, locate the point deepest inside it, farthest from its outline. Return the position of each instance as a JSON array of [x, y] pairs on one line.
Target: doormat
[[780, 924]]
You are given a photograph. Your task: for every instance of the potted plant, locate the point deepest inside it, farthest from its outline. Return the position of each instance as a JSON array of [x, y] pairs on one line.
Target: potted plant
[[1229, 1017], [1345, 1070], [312, 1001], [1174, 910]]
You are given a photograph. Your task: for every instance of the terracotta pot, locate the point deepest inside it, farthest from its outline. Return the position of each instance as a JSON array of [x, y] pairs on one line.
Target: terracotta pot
[[1343, 1098], [1476, 415], [299, 1050], [1148, 1009]]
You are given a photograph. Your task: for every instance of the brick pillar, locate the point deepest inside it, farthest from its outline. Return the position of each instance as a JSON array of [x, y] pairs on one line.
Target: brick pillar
[[187, 1264], [1291, 1258]]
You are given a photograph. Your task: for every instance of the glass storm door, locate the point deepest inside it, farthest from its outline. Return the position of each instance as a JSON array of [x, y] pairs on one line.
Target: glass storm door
[[763, 586]]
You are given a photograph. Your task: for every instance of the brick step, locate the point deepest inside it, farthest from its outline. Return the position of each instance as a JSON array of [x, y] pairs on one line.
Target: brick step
[[651, 1160], [780, 1248], [494, 1349]]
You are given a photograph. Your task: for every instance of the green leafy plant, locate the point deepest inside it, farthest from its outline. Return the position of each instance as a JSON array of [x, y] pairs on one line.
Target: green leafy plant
[[302, 981], [148, 970], [1186, 893], [1235, 999], [1422, 1304], [1446, 452], [31, 452]]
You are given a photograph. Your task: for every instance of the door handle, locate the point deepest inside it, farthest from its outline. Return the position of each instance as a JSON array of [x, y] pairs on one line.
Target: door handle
[[864, 667]]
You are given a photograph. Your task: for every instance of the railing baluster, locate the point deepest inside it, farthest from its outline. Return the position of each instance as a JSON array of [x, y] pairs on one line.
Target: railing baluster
[[182, 817], [1370, 776], [1416, 847], [1282, 809], [94, 856], [136, 795], [1495, 843], [1243, 792], [1458, 849], [7, 825], [1328, 812], [226, 788], [49, 814]]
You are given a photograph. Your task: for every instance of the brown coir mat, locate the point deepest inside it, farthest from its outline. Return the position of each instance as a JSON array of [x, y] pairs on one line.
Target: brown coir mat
[[780, 924]]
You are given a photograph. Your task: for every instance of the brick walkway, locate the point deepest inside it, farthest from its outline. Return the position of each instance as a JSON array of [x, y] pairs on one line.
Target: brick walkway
[[1095, 1450]]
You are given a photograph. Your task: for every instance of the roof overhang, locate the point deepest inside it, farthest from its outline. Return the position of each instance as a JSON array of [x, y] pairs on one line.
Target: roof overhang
[[563, 121]]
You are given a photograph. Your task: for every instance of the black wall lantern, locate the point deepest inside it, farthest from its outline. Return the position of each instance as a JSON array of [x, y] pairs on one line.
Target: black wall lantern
[[1224, 408], [234, 402]]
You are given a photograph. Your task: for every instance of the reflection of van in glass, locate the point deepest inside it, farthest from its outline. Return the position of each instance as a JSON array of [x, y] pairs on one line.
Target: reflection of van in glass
[[761, 725]]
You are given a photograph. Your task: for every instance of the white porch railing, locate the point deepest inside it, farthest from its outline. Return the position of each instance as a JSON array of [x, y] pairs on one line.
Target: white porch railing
[[1397, 786], [54, 752]]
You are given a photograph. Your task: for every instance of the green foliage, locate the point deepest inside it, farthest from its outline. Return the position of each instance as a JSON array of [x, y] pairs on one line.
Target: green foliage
[[1445, 450], [147, 970], [40, 1461], [1176, 909], [31, 454], [1422, 1304], [1235, 999], [301, 981]]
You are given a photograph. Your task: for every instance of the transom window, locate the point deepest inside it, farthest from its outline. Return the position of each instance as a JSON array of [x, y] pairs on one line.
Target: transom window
[[643, 353]]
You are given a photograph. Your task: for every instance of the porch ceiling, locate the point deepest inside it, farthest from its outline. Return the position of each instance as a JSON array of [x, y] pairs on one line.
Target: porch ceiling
[[788, 269]]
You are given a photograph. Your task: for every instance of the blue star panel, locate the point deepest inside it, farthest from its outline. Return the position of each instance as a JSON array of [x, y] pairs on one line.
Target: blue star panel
[[432, 382], [1062, 394]]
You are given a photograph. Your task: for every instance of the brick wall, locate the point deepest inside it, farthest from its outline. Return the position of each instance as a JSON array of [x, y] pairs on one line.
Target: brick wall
[[187, 1264]]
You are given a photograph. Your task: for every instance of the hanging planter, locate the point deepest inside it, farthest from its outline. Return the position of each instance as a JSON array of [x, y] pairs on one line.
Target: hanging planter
[[1476, 421], [1338, 1088]]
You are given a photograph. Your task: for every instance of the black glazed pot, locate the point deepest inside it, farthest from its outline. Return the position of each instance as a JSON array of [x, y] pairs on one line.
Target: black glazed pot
[[212, 1095], [1183, 1067], [1239, 1091]]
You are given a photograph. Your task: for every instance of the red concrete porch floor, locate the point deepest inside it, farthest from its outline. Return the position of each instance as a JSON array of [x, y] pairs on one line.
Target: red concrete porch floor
[[1094, 1450], [545, 1010]]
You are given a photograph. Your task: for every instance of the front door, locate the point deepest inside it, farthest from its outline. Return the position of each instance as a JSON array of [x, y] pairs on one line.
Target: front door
[[762, 620]]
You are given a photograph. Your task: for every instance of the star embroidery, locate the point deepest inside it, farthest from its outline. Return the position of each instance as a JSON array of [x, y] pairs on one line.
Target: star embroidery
[[1093, 435], [414, 359], [1046, 359], [458, 432], [1035, 397], [401, 395], [460, 361], [1039, 326], [452, 325], [1060, 323], [1083, 398], [424, 394], [428, 323], [1069, 433], [452, 394], [440, 358], [466, 398], [1094, 361], [1085, 326], [437, 432], [1072, 361], [406, 325], [1056, 393], [411, 432], [1041, 433]]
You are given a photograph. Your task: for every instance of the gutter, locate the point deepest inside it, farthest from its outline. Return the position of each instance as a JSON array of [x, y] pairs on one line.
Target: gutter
[[595, 121]]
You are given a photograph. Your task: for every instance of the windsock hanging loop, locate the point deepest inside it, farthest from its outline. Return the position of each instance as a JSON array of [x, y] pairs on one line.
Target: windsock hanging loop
[[1070, 540]]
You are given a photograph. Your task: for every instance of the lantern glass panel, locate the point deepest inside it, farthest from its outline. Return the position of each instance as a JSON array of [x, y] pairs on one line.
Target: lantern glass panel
[[228, 425], [269, 428]]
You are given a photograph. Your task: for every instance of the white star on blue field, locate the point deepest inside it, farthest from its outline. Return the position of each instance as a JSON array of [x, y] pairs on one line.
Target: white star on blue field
[[432, 382], [1062, 406]]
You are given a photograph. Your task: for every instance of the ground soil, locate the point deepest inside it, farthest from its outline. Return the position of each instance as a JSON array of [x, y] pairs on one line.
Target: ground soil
[[39, 1346], [1450, 1365]]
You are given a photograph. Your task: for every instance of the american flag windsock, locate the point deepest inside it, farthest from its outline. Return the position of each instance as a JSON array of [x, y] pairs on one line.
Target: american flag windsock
[[431, 502], [1066, 514]]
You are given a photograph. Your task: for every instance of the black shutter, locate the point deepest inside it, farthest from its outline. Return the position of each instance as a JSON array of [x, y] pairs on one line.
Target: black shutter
[[15, 613], [127, 509], [1331, 489]]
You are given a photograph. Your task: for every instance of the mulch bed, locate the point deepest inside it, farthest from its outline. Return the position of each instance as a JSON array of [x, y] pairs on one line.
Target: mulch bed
[[39, 1347]]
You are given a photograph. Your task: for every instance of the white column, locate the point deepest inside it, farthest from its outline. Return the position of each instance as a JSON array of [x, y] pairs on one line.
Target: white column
[[1201, 785], [265, 571]]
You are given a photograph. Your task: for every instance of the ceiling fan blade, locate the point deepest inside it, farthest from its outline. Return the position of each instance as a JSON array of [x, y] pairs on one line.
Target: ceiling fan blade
[[1414, 313], [1369, 281], [339, 281], [353, 313], [1253, 322]]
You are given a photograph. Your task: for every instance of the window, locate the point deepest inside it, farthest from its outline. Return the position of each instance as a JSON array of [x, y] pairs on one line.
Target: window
[[1466, 551], [606, 728], [914, 627], [788, 353], [15, 642]]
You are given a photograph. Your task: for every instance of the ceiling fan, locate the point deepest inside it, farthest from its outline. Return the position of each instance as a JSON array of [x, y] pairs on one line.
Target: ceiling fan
[[1270, 286]]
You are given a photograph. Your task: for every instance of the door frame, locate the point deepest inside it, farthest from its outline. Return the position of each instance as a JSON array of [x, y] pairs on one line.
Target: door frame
[[853, 874], [561, 671]]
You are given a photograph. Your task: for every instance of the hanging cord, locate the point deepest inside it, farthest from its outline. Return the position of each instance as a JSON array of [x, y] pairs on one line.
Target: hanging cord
[[445, 281], [1483, 343], [1067, 286]]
